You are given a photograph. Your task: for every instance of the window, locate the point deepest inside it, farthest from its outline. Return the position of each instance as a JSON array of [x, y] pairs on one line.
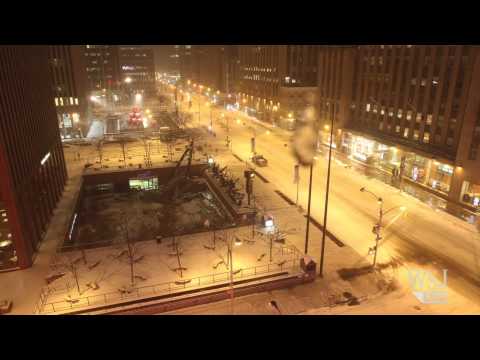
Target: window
[[415, 134], [76, 101], [429, 119], [56, 101], [426, 137], [405, 133]]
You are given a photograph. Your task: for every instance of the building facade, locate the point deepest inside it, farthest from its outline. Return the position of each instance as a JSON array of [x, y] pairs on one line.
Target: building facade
[[412, 111], [137, 69], [102, 67], [69, 85], [32, 166], [277, 83]]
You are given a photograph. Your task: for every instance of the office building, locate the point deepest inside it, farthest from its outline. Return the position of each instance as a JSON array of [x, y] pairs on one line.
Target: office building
[[277, 83], [102, 67], [69, 85], [137, 69], [32, 165], [415, 110]]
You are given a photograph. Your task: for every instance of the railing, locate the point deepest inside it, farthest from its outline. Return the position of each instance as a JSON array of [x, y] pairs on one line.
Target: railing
[[44, 307]]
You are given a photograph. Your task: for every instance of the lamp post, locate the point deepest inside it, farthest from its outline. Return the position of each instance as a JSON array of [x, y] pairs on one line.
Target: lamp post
[[378, 227], [327, 193], [230, 244]]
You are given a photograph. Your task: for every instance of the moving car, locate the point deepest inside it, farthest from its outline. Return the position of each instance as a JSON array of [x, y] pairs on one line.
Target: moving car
[[259, 160]]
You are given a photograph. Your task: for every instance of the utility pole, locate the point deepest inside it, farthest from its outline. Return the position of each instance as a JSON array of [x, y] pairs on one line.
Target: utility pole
[[325, 213], [307, 233]]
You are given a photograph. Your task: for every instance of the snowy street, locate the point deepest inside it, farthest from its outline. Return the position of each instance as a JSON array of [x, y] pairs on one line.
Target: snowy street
[[419, 238]]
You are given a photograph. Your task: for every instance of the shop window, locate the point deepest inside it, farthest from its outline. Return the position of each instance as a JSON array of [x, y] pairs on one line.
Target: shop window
[[8, 258], [471, 194]]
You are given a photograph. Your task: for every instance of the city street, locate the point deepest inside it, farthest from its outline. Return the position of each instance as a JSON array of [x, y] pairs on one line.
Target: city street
[[420, 238]]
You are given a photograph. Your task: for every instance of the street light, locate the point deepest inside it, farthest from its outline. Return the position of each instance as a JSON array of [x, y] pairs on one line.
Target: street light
[[230, 245], [128, 80], [378, 227]]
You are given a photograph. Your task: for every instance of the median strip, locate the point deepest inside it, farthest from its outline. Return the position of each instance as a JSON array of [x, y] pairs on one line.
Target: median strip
[[238, 158], [285, 197], [261, 177], [329, 234]]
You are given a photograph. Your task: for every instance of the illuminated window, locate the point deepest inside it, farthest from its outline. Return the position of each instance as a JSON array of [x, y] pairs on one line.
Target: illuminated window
[[368, 107], [76, 101], [429, 119], [405, 133], [71, 101], [415, 134], [426, 137], [56, 101], [61, 101]]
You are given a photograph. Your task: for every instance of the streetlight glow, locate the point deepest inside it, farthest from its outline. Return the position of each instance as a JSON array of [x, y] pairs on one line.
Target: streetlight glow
[[128, 80]]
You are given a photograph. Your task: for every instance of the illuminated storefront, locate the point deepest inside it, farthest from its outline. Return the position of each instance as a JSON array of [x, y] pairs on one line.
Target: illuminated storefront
[[471, 194], [8, 257], [69, 125], [390, 159]]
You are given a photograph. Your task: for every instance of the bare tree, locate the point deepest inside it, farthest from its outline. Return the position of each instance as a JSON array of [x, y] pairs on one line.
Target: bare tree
[[131, 251], [70, 264], [99, 148], [123, 146]]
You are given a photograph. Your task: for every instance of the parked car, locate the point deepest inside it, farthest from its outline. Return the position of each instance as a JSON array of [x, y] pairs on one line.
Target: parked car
[[259, 160]]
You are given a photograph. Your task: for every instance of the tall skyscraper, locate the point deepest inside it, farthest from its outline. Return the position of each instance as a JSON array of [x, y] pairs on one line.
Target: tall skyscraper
[[32, 165]]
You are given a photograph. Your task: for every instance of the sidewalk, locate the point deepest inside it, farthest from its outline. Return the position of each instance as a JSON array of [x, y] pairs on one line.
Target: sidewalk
[[23, 287]]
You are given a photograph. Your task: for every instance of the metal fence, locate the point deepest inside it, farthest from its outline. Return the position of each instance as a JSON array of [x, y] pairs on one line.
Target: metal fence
[[45, 307]]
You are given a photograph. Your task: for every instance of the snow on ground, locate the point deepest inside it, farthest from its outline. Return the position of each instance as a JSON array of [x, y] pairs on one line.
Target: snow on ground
[[158, 264]]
